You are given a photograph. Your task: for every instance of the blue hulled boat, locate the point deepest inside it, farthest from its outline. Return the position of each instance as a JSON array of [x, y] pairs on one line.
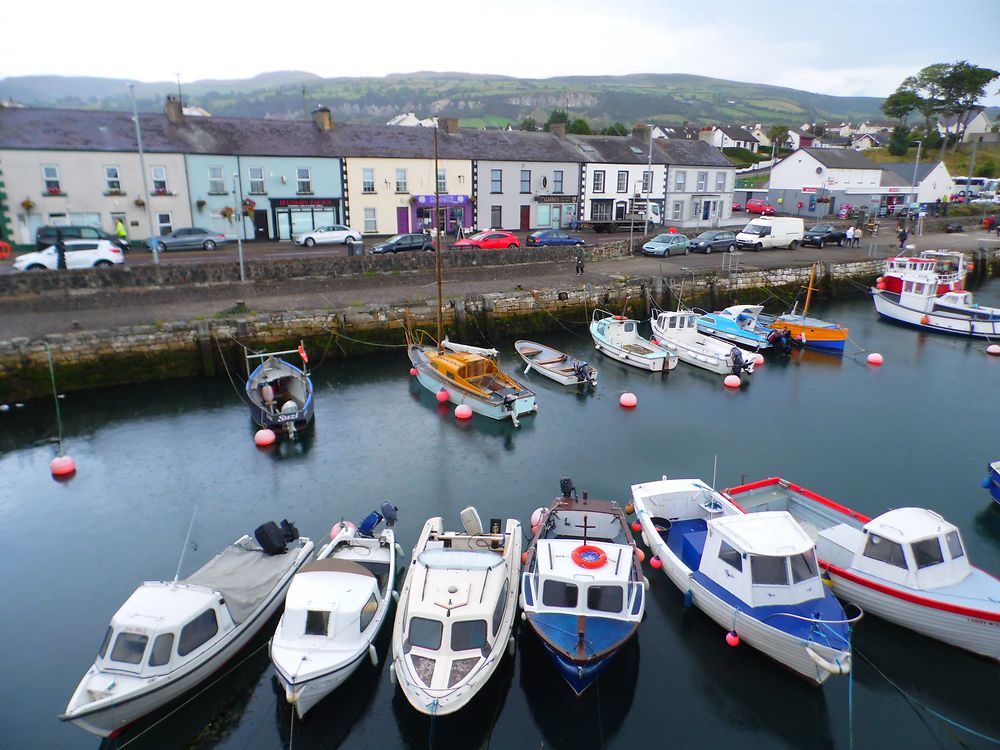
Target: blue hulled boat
[[738, 324], [279, 394], [992, 480]]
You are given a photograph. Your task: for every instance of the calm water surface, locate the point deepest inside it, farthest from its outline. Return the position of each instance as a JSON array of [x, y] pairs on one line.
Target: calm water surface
[[917, 431]]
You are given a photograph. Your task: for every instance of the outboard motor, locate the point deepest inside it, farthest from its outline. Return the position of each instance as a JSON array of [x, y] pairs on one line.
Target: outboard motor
[[739, 364], [389, 513], [368, 526], [566, 487]]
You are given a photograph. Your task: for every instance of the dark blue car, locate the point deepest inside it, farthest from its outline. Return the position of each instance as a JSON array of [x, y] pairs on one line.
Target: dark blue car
[[552, 237]]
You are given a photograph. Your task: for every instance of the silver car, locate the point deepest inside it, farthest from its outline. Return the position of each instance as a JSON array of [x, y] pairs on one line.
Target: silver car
[[187, 239], [334, 234], [667, 244]]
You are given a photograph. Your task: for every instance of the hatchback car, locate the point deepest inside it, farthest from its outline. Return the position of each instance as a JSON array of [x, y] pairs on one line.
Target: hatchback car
[[79, 254], [404, 243], [187, 239], [46, 236], [333, 234], [759, 206], [706, 242], [667, 244], [552, 237], [489, 240]]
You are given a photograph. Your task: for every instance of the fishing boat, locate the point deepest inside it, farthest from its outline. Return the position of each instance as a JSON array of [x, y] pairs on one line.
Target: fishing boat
[[809, 331], [754, 575], [992, 480], [618, 337], [334, 609], [563, 368], [678, 332], [170, 636], [456, 611], [927, 292], [280, 395], [738, 324], [907, 565], [582, 588]]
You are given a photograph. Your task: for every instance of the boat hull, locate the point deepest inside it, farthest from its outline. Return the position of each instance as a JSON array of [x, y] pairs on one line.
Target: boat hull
[[746, 342], [578, 676], [815, 337], [993, 478], [553, 364], [305, 694], [961, 325]]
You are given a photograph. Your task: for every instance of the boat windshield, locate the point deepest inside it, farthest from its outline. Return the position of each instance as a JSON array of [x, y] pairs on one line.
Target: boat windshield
[[605, 598], [452, 559]]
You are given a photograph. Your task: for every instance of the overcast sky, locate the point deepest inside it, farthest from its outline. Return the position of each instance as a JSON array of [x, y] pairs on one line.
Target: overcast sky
[[845, 47]]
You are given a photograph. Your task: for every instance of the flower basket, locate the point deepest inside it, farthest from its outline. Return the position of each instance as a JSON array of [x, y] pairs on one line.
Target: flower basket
[[201, 203], [248, 207], [140, 203], [114, 192], [227, 211], [27, 204], [53, 191]]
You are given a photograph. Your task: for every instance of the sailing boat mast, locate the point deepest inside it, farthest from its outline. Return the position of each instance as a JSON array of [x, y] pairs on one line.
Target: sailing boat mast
[[809, 290], [437, 243]]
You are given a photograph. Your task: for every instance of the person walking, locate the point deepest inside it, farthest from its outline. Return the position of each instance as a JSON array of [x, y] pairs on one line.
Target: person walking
[[120, 231], [580, 258], [849, 236], [856, 242], [903, 236], [60, 251]]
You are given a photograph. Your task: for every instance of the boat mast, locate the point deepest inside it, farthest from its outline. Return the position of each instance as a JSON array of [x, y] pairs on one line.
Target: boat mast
[[809, 290], [437, 243]]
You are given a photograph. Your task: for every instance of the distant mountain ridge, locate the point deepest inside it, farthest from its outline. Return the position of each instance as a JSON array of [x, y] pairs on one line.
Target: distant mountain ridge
[[475, 99]]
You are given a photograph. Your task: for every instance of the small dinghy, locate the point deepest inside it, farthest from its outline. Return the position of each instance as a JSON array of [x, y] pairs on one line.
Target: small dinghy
[[907, 566], [582, 589], [678, 332], [334, 610], [280, 394], [456, 612], [565, 369], [618, 337], [170, 636], [754, 575]]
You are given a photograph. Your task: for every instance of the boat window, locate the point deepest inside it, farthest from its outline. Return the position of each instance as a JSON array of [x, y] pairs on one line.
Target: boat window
[[425, 633], [918, 288], [885, 551], [803, 566], [162, 647], [908, 286], [768, 570], [629, 327], [107, 639], [368, 611], [927, 553], [954, 545], [559, 594], [317, 622], [672, 323], [129, 648], [198, 632], [468, 634], [605, 598], [498, 610], [730, 556]]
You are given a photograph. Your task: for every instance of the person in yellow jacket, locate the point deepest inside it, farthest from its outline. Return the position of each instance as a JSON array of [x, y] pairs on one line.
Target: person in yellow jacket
[[120, 231]]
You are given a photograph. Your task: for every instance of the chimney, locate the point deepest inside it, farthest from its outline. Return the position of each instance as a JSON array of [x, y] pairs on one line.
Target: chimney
[[448, 124], [558, 129], [322, 118], [174, 110], [640, 132]]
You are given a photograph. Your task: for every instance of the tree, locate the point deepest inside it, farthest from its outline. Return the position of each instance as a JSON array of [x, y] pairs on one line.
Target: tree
[[899, 141], [899, 104], [529, 124], [777, 134], [928, 86], [616, 129], [579, 126], [962, 87], [987, 169], [557, 116]]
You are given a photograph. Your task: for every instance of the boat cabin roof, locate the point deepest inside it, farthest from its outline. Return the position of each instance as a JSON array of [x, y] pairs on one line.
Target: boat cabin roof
[[162, 606], [464, 364], [670, 488], [331, 582], [734, 311], [904, 525], [555, 560], [772, 533]]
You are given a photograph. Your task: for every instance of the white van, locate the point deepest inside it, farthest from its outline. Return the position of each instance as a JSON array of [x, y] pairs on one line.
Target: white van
[[771, 231]]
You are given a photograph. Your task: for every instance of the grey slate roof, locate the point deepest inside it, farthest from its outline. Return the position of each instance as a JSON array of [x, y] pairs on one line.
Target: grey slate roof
[[841, 158], [682, 152], [891, 179], [738, 134], [906, 170], [614, 149]]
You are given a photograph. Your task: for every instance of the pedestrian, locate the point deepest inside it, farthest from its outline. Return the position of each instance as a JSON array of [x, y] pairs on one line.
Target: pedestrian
[[849, 235], [60, 251], [120, 231], [580, 258], [857, 237], [903, 236]]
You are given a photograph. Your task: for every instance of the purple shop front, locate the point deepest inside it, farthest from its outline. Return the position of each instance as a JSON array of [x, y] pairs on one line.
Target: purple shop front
[[456, 211]]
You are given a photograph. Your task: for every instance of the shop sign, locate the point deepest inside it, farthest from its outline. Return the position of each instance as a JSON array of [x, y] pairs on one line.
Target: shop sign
[[809, 189], [555, 198], [302, 202], [442, 200]]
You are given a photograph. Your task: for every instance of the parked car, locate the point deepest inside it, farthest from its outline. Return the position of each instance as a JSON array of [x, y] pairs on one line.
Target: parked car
[[989, 222], [716, 239], [764, 232], [187, 239], [822, 235], [402, 243], [987, 201], [79, 254], [46, 236], [737, 206], [489, 240], [760, 206], [667, 244], [552, 237], [334, 234]]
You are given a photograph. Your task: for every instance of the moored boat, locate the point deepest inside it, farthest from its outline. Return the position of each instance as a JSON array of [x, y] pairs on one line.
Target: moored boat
[[907, 565], [618, 337], [280, 395], [582, 588], [809, 331], [738, 324], [755, 575], [563, 368], [334, 609], [992, 480], [456, 612], [678, 332], [169, 636]]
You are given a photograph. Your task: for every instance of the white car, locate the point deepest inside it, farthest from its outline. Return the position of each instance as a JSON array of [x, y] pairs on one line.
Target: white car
[[329, 235], [79, 254], [986, 201]]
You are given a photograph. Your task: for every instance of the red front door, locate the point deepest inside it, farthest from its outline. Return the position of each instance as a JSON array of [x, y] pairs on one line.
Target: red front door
[[402, 220], [525, 218]]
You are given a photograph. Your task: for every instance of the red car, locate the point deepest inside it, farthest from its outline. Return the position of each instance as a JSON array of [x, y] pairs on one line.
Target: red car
[[492, 239], [759, 206], [989, 223]]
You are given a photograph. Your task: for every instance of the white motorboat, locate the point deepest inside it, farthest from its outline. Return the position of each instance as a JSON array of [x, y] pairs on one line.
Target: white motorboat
[[563, 368], [738, 324], [456, 612], [334, 609], [618, 337], [754, 575], [678, 332], [170, 636], [907, 565]]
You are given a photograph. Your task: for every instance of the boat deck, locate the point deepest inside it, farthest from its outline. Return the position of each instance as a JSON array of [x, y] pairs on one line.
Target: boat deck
[[686, 539]]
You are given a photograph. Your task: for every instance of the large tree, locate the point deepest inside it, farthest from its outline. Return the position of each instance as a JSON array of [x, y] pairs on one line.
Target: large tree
[[900, 104], [557, 116], [899, 141], [777, 134], [928, 86], [616, 129], [962, 87], [579, 126]]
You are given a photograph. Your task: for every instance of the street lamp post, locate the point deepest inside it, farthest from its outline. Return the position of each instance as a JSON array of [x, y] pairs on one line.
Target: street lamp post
[[238, 199], [647, 179], [685, 268], [913, 185], [142, 168]]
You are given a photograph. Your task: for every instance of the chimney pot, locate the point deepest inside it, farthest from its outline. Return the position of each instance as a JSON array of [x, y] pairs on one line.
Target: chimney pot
[[641, 132], [174, 110], [323, 118], [448, 124]]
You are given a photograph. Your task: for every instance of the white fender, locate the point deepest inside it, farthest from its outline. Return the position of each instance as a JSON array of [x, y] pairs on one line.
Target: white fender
[[399, 550], [645, 584], [831, 667], [392, 673], [524, 616], [395, 596], [373, 654], [510, 646]]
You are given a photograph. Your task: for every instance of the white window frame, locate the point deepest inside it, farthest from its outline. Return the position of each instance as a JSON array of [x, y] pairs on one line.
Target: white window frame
[[259, 188], [368, 180], [442, 180], [702, 185], [216, 184], [598, 182], [159, 183], [112, 178], [557, 181], [401, 181], [303, 185], [525, 181], [496, 181], [647, 181], [720, 182], [161, 223], [680, 181], [678, 213], [50, 178], [622, 181], [371, 220]]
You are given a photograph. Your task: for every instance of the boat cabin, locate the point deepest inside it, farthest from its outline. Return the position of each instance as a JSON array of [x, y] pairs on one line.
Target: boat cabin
[[680, 324], [933, 272], [745, 316], [912, 547], [763, 559]]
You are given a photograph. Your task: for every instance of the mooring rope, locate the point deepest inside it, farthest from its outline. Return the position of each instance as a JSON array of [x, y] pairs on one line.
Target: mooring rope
[[241, 392]]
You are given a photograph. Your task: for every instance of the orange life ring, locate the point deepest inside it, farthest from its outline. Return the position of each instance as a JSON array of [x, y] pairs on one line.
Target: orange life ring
[[619, 317], [590, 557]]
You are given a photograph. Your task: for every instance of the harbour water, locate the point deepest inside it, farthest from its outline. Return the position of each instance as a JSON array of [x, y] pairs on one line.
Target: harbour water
[[917, 431]]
